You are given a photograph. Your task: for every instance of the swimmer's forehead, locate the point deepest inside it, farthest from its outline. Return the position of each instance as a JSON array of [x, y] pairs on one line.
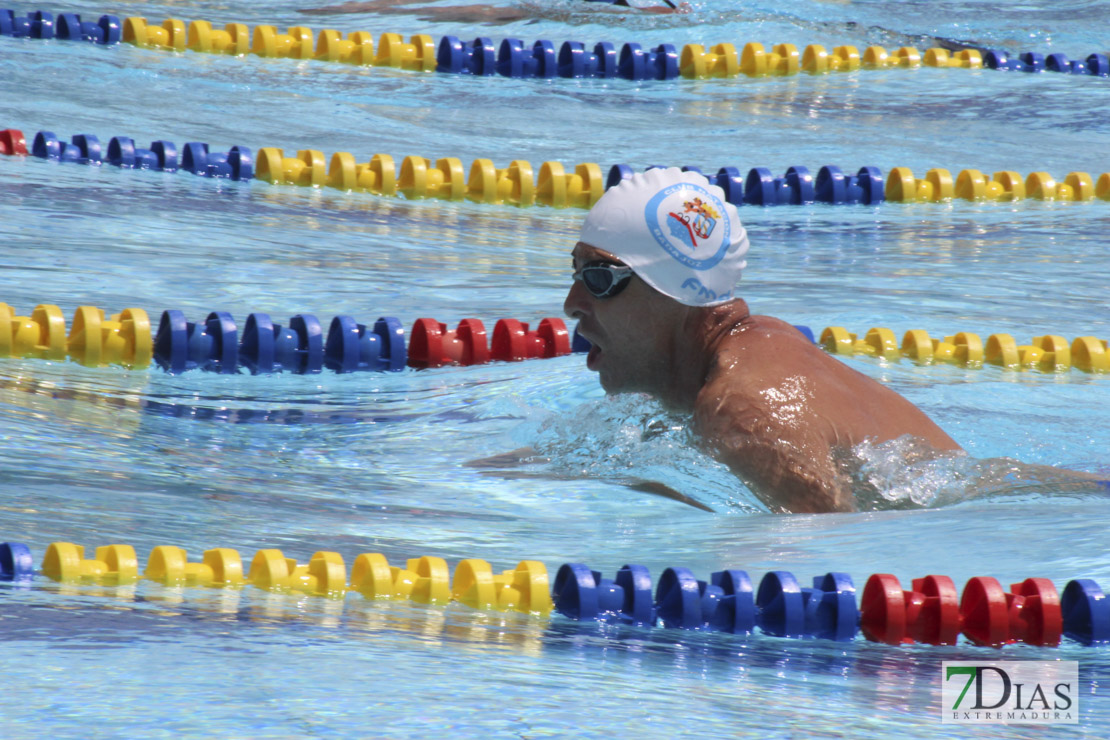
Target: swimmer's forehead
[[584, 253]]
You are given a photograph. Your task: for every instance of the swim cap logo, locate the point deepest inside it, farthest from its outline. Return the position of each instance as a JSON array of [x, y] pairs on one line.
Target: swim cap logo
[[686, 221], [703, 292], [696, 220]]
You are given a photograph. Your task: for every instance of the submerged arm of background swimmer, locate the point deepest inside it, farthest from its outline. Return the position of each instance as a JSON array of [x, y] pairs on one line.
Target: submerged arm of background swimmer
[[451, 13], [447, 14], [526, 455]]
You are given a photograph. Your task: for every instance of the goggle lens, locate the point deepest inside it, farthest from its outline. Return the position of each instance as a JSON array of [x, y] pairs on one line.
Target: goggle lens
[[604, 280]]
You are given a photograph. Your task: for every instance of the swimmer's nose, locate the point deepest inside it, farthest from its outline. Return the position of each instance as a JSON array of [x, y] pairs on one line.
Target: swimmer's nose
[[577, 301]]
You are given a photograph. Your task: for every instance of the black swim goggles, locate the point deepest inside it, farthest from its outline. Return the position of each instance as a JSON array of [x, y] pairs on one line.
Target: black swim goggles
[[604, 279]]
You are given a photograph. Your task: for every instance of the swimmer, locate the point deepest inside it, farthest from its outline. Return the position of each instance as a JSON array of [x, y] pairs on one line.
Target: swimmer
[[655, 270], [488, 14]]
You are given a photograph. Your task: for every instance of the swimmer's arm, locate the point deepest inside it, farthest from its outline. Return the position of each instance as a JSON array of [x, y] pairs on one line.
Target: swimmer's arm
[[789, 470], [451, 13], [488, 14], [519, 456], [1005, 475], [682, 8], [354, 6], [526, 455]]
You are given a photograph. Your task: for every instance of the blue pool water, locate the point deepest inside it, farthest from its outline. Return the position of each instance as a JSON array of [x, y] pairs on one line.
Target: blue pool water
[[376, 462]]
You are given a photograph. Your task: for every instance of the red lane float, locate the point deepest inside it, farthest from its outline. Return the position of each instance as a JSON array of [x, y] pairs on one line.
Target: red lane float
[[12, 142], [513, 341], [1029, 613], [432, 344], [931, 613]]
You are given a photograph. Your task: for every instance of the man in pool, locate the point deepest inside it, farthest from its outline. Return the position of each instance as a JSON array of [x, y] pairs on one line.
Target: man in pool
[[655, 270]]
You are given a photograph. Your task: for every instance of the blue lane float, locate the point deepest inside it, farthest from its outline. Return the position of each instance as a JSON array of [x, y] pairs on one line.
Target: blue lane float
[[575, 60], [1097, 65], [82, 149], [830, 606], [636, 63], [16, 563], [513, 58], [181, 345], [38, 24], [214, 345], [1026, 62], [353, 347], [67, 27], [797, 187], [122, 153], [265, 347], [1086, 612], [726, 603], [106, 30], [581, 593], [516, 59], [836, 188], [479, 57], [235, 164], [761, 188]]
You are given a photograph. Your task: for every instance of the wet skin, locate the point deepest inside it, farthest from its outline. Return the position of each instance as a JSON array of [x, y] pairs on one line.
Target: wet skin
[[765, 401]]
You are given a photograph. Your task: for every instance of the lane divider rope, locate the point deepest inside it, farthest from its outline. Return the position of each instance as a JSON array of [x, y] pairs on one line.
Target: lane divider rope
[[554, 185], [96, 339], [1047, 352], [515, 58], [301, 346], [931, 612]]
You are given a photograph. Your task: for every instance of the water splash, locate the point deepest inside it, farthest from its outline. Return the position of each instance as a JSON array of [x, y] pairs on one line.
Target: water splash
[[908, 473], [630, 437]]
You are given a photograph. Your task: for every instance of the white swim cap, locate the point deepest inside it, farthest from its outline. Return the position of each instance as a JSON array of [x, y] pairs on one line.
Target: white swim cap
[[676, 231]]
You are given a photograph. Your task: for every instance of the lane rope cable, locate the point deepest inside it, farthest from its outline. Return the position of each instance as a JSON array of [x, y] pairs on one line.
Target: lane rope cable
[[930, 612]]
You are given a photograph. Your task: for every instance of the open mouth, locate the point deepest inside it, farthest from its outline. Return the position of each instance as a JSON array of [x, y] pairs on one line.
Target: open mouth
[[593, 357]]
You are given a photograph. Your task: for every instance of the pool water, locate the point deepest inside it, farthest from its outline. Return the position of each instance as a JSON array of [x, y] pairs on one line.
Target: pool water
[[378, 462]]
